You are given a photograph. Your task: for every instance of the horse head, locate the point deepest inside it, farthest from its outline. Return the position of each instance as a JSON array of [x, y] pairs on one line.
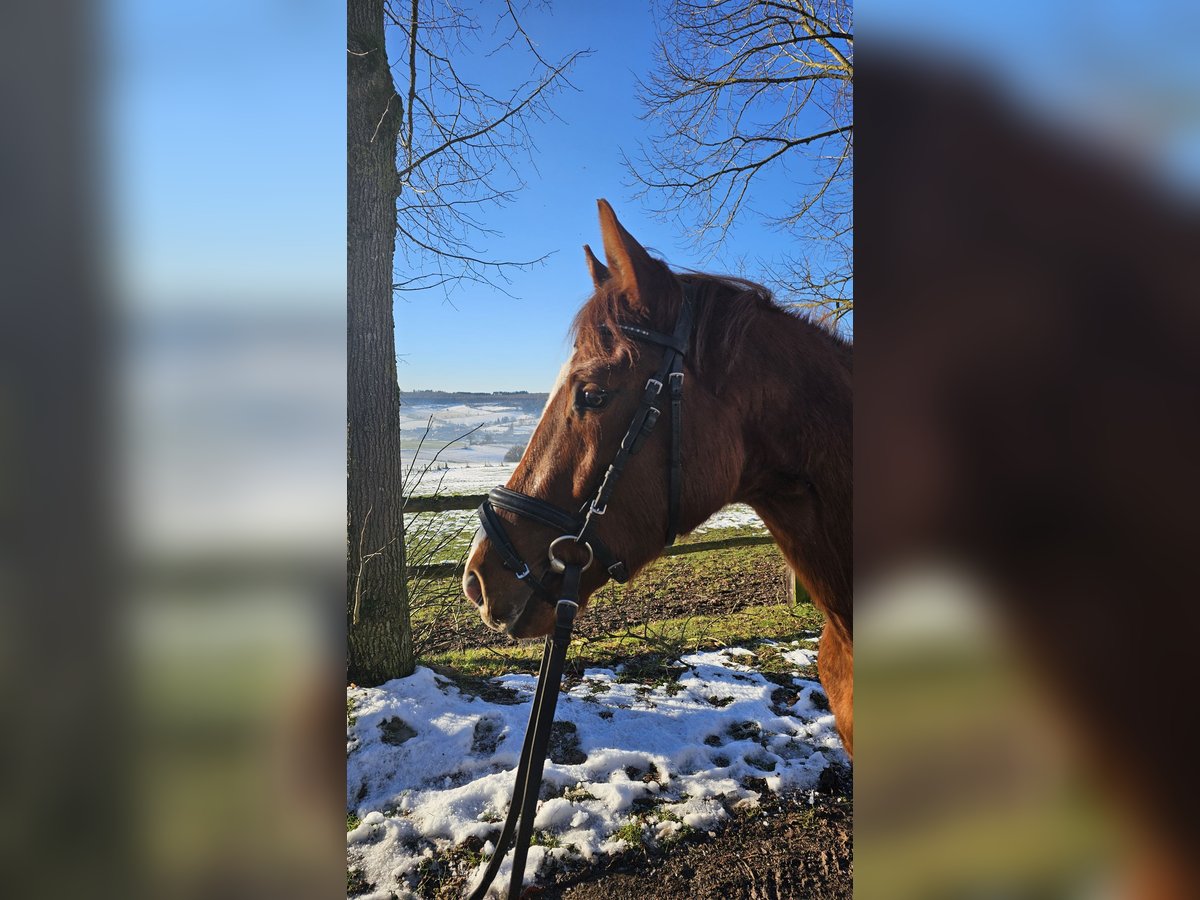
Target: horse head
[[617, 403]]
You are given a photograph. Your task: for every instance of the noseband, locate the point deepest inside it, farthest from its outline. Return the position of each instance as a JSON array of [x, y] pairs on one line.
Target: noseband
[[579, 527]]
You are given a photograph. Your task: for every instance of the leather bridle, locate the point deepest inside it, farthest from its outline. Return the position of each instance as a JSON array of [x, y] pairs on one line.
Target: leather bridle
[[579, 527], [518, 824]]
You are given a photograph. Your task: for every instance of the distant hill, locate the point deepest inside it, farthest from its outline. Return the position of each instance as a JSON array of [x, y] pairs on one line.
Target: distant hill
[[522, 400]]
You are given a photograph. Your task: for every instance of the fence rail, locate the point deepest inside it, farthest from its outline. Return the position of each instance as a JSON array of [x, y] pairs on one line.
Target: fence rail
[[447, 503]]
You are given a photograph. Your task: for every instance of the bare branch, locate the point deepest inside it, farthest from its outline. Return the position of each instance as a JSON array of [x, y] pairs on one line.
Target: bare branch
[[746, 87], [464, 138]]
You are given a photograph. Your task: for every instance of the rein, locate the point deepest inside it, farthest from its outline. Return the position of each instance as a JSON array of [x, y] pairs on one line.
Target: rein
[[578, 528], [537, 742]]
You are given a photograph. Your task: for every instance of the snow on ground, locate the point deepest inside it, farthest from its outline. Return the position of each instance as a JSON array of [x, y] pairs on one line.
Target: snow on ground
[[736, 515], [800, 657], [415, 418], [463, 479], [430, 767]]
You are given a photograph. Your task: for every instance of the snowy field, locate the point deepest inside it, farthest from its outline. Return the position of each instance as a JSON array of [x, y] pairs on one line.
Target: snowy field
[[430, 767], [461, 435], [462, 478], [736, 515], [464, 468]]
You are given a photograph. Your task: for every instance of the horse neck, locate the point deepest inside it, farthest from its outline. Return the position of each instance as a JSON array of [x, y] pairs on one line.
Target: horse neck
[[797, 433]]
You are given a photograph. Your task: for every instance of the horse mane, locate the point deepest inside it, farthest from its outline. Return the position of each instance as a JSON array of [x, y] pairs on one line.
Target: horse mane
[[725, 308]]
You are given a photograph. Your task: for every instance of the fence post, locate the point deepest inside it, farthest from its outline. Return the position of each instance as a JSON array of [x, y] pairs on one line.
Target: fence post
[[796, 592]]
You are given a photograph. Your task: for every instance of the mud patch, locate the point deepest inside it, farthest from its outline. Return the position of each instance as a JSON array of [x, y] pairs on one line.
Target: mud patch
[[788, 847], [488, 735], [745, 731], [564, 745], [395, 731]]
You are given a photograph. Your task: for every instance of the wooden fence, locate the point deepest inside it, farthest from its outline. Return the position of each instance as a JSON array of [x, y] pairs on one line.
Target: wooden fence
[[450, 502]]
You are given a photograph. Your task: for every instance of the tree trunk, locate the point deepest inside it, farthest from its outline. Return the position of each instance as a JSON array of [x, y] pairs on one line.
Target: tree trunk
[[379, 637]]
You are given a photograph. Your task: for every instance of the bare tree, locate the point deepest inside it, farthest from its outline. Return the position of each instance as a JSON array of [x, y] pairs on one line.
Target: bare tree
[[426, 155], [746, 87], [463, 139]]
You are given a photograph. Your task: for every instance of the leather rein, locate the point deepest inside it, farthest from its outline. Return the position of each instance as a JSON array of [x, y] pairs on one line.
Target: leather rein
[[578, 528]]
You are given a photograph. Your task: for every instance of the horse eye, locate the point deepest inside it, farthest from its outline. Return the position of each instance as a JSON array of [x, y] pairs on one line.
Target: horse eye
[[592, 397]]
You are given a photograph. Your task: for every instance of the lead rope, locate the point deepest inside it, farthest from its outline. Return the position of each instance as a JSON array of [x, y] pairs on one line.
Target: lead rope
[[537, 741]]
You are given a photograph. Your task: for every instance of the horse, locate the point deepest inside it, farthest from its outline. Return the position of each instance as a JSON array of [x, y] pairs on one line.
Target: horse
[[761, 414], [1032, 376]]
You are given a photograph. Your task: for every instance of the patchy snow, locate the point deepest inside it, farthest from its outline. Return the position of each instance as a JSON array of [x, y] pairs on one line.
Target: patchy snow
[[464, 478], [416, 417], [430, 767], [736, 515], [800, 657], [461, 435]]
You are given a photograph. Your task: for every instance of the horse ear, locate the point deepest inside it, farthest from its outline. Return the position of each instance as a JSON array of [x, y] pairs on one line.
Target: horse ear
[[600, 273], [630, 262]]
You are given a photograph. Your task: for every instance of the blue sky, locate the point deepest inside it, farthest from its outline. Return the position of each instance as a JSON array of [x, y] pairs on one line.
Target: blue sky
[[486, 340], [227, 154], [227, 158]]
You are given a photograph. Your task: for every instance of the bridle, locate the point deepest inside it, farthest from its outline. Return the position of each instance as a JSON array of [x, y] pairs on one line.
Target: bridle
[[518, 824], [579, 527]]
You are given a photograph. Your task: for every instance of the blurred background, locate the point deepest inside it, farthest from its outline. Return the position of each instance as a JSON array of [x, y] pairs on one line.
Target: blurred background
[[172, 432], [174, 446], [1025, 387]]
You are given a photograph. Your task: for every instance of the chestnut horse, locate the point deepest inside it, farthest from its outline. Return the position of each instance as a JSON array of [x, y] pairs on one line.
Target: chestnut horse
[[767, 420]]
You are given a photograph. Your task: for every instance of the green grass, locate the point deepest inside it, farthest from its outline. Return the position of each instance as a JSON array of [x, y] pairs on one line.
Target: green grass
[[730, 566], [632, 832], [638, 837], [355, 882], [664, 578], [723, 572], [578, 794], [770, 660], [727, 563], [646, 655], [543, 839]]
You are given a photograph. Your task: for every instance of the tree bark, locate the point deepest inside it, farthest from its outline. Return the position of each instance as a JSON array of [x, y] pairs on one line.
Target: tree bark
[[379, 637]]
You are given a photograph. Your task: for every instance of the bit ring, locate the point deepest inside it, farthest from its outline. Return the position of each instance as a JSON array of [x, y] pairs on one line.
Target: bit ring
[[558, 565]]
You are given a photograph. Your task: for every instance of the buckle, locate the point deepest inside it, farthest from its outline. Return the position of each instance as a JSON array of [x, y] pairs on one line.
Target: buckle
[[675, 375], [524, 574], [655, 381], [598, 510]]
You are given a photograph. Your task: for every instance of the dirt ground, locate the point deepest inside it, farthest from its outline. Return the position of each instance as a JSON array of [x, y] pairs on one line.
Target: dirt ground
[[785, 849], [673, 587], [798, 846]]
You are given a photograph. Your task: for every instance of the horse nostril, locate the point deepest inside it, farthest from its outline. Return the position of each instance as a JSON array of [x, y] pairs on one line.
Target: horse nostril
[[472, 588]]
